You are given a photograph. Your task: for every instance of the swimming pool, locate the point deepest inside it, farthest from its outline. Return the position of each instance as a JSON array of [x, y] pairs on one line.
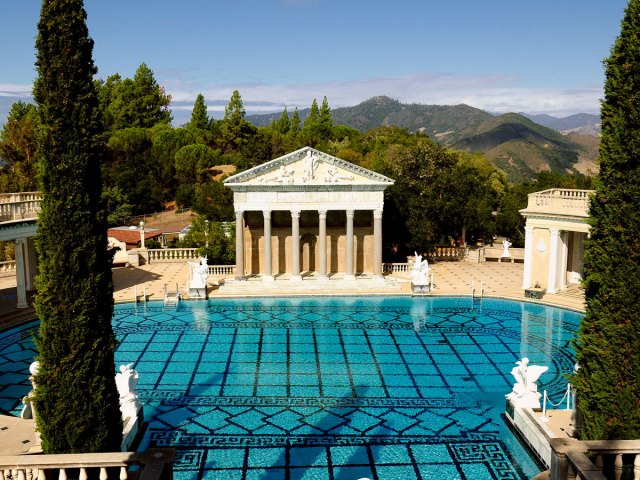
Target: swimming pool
[[330, 388]]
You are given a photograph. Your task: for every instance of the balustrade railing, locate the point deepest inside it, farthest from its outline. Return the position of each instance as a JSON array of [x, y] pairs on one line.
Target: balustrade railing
[[595, 459], [222, 269], [443, 254], [8, 268], [396, 268], [19, 206], [159, 255], [560, 201], [153, 464]]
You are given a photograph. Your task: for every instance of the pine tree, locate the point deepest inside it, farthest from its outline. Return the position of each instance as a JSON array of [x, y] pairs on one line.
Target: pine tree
[[199, 117], [76, 400], [284, 123], [325, 121], [314, 114], [235, 129], [608, 343], [295, 127]]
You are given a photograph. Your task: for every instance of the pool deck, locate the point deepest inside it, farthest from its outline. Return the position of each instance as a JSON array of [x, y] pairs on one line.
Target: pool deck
[[502, 280]]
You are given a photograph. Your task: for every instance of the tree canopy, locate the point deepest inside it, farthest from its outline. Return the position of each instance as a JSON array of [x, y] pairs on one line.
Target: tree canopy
[[608, 345]]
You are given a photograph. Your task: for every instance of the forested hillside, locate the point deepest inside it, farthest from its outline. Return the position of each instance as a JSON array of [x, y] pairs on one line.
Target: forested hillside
[[441, 194], [514, 143]]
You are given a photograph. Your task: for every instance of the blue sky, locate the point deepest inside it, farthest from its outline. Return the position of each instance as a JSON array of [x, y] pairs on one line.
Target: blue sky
[[537, 56]]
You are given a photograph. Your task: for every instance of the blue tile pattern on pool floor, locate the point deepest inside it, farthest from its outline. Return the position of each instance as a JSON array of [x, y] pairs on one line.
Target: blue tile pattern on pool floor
[[334, 388]]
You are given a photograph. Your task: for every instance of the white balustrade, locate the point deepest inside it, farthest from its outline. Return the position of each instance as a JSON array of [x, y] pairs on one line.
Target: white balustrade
[[395, 268], [8, 268], [42, 467], [560, 201], [159, 255], [19, 206], [587, 460], [222, 269]]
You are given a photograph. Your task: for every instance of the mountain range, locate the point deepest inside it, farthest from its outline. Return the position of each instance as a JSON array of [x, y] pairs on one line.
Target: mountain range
[[519, 144]]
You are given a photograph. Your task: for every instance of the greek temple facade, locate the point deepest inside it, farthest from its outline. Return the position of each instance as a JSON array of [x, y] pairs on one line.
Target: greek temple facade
[[308, 213]]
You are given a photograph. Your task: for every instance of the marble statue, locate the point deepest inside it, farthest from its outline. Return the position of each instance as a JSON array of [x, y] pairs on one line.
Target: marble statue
[[333, 175], [505, 249], [199, 274], [126, 382], [525, 391], [284, 175], [310, 164], [420, 273]]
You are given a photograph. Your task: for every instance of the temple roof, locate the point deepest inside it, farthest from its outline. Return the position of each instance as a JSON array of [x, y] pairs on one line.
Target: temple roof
[[307, 167]]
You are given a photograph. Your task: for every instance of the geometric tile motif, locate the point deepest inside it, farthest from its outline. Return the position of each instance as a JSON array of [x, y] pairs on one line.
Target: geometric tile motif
[[491, 454], [309, 388]]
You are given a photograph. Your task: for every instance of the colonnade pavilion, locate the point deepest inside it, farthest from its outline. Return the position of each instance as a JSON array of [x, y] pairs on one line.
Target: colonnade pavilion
[[308, 213]]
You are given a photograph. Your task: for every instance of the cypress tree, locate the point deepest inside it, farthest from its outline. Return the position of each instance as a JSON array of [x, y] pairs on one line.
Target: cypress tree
[[608, 342], [76, 399]]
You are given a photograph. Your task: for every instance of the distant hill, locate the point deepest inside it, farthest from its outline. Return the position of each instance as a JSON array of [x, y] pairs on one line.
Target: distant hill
[[580, 122], [522, 147], [437, 121], [516, 144]]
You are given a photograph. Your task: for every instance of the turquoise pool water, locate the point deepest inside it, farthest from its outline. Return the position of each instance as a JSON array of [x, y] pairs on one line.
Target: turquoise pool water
[[330, 388]]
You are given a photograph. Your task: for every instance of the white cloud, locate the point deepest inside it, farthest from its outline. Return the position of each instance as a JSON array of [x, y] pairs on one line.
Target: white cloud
[[495, 93], [15, 90]]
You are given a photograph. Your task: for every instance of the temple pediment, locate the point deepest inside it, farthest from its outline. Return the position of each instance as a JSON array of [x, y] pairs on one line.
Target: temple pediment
[[307, 167]]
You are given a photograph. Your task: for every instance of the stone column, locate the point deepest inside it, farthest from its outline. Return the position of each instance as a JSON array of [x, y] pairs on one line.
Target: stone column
[[348, 272], [377, 244], [21, 288], [322, 244], [528, 257], [267, 273], [552, 279], [295, 245], [564, 257], [240, 245]]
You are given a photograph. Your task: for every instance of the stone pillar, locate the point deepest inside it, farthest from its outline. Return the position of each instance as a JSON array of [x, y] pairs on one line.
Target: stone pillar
[[322, 244], [21, 288], [564, 257], [348, 271], [528, 257], [377, 244], [295, 245], [240, 245], [267, 273], [552, 279]]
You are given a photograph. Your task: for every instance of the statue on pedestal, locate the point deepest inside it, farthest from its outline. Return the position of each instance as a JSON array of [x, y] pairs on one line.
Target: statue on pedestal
[[126, 382], [420, 274], [505, 249], [525, 391], [198, 276]]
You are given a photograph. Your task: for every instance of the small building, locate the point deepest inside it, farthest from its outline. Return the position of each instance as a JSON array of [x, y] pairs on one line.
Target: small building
[[555, 231], [130, 236], [308, 213]]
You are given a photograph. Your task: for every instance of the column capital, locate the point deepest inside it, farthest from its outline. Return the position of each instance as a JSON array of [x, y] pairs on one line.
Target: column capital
[[322, 213], [377, 213], [295, 213], [350, 213], [266, 214], [528, 228], [554, 232], [239, 213]]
